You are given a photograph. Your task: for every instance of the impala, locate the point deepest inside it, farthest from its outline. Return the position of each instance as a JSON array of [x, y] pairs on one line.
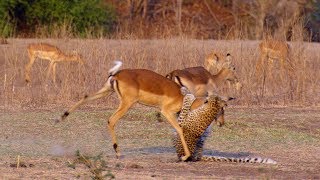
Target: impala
[[140, 86], [50, 53], [271, 50], [201, 82]]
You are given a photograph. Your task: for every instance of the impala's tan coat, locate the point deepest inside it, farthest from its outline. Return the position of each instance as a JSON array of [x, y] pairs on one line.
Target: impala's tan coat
[[50, 53], [145, 87], [201, 82], [271, 50]]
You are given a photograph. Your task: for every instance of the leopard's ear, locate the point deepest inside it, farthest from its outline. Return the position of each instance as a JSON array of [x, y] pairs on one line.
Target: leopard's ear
[[227, 98]]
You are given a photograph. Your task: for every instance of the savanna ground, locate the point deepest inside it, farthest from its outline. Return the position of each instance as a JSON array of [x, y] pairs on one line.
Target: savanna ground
[[267, 123]]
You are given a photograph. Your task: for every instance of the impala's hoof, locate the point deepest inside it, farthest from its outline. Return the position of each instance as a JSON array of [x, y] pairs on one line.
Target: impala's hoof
[[118, 155], [185, 158], [65, 115], [220, 124]]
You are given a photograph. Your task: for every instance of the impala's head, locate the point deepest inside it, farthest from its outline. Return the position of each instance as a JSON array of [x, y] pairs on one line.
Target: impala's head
[[77, 57], [225, 67], [214, 62], [231, 77]]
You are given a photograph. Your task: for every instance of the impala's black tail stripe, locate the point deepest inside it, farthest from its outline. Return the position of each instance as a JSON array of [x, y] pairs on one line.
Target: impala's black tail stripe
[[115, 86]]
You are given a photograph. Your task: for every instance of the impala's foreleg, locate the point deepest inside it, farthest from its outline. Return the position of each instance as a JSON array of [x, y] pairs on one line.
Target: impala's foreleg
[[172, 120], [122, 109]]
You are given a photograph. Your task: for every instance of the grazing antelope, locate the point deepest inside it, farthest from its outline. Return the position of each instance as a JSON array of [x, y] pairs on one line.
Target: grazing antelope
[[201, 82], [50, 53], [140, 86], [273, 49]]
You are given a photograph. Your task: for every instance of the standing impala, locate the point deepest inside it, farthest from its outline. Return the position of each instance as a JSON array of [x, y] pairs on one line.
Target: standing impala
[[50, 53], [201, 82], [271, 50], [145, 87]]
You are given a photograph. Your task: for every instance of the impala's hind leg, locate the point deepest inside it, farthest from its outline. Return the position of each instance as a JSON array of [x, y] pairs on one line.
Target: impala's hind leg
[[105, 91], [173, 121], [122, 109]]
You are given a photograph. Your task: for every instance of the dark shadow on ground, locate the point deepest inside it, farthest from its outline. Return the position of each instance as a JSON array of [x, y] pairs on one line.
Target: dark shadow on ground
[[151, 150]]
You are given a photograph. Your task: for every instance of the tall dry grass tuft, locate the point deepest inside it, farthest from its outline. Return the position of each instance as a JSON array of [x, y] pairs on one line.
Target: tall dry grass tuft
[[162, 56]]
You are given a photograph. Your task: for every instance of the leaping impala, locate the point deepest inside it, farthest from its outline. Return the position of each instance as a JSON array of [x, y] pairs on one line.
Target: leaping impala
[[50, 53], [201, 82], [145, 87]]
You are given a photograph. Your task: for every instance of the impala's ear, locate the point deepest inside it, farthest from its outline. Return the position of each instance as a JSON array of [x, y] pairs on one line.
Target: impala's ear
[[215, 58], [212, 58], [228, 60], [169, 76], [229, 57]]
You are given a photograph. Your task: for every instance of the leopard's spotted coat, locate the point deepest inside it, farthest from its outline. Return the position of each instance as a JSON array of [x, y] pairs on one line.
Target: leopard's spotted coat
[[195, 124]]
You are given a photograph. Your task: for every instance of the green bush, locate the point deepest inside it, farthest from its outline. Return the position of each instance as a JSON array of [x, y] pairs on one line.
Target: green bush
[[12, 14], [25, 16]]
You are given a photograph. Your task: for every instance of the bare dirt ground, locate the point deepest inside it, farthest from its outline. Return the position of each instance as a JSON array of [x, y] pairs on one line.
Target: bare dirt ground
[[290, 136]]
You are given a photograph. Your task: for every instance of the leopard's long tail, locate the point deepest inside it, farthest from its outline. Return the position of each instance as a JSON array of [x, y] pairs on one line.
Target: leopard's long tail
[[238, 160]]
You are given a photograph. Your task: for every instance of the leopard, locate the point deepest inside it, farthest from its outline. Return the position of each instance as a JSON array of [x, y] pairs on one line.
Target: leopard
[[196, 128], [192, 127]]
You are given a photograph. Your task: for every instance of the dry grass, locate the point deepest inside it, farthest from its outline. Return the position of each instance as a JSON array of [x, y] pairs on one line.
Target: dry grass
[[161, 56]]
